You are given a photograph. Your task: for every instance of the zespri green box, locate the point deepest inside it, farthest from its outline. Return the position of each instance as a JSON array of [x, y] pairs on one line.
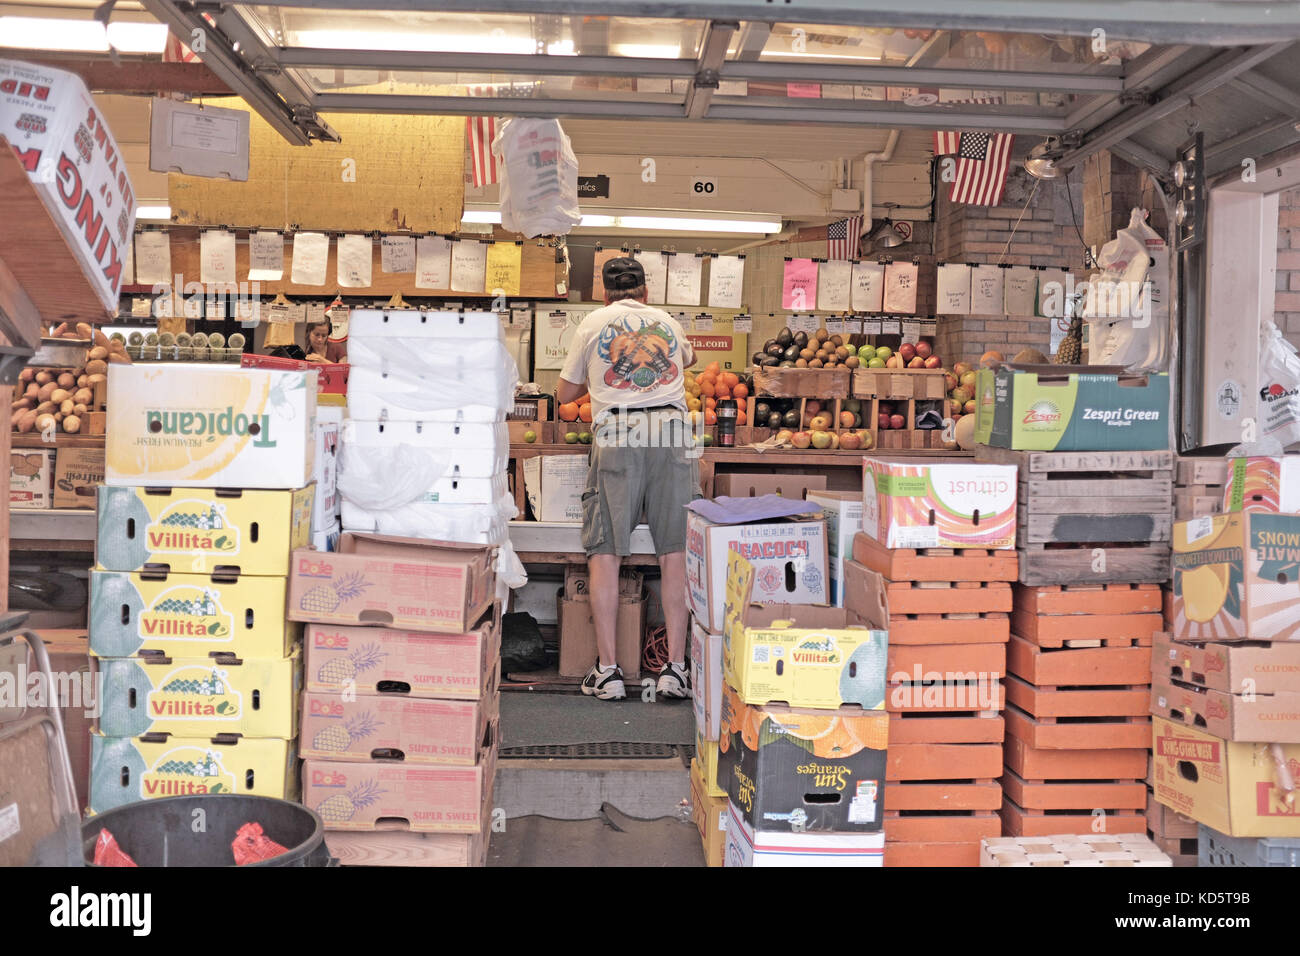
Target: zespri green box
[[1050, 408]]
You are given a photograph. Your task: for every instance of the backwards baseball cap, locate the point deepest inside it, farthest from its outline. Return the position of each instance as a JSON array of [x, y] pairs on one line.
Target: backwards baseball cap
[[622, 274]]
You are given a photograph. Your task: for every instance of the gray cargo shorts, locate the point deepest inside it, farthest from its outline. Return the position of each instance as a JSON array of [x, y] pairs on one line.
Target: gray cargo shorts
[[640, 461]]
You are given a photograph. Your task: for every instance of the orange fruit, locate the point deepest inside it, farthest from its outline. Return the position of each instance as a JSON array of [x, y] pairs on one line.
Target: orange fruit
[[710, 417], [707, 389], [730, 379], [740, 391], [713, 368], [710, 403], [584, 412], [741, 418], [569, 412], [722, 392]]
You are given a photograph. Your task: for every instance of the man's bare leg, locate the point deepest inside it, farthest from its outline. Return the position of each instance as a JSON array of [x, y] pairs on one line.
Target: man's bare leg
[[672, 569], [603, 569]]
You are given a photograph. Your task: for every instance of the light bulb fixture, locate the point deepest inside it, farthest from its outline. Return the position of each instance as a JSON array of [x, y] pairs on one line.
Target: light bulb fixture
[[885, 236], [1041, 161], [1182, 172]]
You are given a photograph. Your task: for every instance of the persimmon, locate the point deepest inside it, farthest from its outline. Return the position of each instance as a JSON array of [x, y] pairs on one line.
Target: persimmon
[[584, 412], [569, 412]]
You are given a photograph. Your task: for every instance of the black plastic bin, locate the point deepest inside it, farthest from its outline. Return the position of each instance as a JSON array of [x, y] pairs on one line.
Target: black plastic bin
[[162, 832]]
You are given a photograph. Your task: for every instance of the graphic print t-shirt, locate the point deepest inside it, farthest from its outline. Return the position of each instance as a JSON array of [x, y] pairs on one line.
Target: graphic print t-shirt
[[630, 354]]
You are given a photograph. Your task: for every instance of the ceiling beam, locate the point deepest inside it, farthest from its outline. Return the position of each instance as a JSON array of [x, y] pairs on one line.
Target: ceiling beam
[[1143, 158], [130, 75], [713, 51], [753, 37], [1154, 69], [811, 71], [1222, 69], [507, 106], [1260, 87], [525, 64]]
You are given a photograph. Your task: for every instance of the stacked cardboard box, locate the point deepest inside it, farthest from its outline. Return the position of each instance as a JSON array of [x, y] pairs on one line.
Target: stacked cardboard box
[[577, 630], [802, 732], [1077, 698], [425, 447], [934, 565], [201, 670], [1224, 696], [400, 721]]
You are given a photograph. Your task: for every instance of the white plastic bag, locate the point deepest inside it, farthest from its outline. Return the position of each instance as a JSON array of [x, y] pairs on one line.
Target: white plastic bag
[[1127, 306], [539, 177], [1279, 387]]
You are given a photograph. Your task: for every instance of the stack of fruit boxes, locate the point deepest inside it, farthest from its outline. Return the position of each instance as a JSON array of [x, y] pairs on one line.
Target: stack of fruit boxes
[[946, 612], [207, 492], [426, 447], [1225, 694], [802, 732], [1079, 670]]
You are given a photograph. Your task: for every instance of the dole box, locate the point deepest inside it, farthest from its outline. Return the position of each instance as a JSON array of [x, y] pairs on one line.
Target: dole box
[[195, 426], [401, 583], [200, 697], [202, 531], [1237, 577], [803, 655], [785, 540], [414, 664], [1047, 408], [918, 505], [188, 616]]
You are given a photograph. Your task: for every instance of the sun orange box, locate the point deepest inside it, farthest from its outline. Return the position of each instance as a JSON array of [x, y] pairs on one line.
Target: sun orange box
[[383, 581]]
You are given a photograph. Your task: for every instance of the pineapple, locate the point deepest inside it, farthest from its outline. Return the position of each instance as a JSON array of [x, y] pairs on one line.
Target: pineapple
[[340, 670], [337, 739], [327, 598], [340, 807]]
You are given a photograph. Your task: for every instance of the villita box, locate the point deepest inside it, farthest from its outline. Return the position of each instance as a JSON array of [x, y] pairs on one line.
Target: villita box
[[706, 754], [800, 770], [1237, 577], [1052, 408], [801, 655], [402, 583], [442, 666], [208, 426], [749, 847], [128, 769], [918, 505], [202, 531], [188, 616], [1241, 789], [200, 698]]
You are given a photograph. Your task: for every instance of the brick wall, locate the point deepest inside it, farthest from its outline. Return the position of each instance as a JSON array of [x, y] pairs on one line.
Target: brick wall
[[983, 235], [1286, 302]]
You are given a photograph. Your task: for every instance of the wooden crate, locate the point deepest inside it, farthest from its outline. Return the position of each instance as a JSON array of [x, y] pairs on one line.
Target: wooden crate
[[1073, 794], [1097, 563], [1078, 667], [935, 854], [948, 597], [1090, 733], [1202, 471], [1167, 823], [899, 383], [927, 727], [1199, 486], [397, 846], [910, 659], [1034, 763], [949, 628], [1044, 702], [942, 565], [968, 827], [909, 437], [1022, 821], [948, 796], [1083, 849], [943, 762], [1089, 599], [959, 697], [1086, 630], [801, 382]]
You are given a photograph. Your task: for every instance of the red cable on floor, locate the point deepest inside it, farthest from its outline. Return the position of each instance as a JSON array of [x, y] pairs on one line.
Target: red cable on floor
[[655, 653]]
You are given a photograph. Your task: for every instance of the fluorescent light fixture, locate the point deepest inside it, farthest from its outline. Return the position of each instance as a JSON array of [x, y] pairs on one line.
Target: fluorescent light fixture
[[665, 223], [809, 55], [425, 42], [153, 212], [651, 51], [81, 36], [480, 215]]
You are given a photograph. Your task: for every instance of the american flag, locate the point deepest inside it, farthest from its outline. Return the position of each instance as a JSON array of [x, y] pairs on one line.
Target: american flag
[[481, 130], [982, 161], [947, 143], [842, 238]]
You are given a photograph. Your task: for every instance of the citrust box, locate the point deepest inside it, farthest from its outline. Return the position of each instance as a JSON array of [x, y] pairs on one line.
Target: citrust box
[[356, 796], [1236, 788], [443, 666], [402, 583]]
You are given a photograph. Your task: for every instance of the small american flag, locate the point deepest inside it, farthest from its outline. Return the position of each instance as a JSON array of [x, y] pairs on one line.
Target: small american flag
[[842, 238], [947, 143], [982, 161], [481, 130]]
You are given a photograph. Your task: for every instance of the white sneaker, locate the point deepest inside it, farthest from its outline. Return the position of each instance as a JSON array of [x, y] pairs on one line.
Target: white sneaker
[[606, 685], [674, 681]]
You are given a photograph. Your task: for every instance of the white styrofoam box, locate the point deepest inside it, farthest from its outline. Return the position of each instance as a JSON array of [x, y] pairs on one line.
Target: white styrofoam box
[[367, 324], [374, 395], [68, 151], [470, 524], [325, 507], [473, 450]]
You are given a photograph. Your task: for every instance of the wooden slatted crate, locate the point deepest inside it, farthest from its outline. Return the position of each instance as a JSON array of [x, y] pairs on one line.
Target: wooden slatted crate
[[1199, 486], [802, 382], [943, 565], [898, 383], [1085, 849]]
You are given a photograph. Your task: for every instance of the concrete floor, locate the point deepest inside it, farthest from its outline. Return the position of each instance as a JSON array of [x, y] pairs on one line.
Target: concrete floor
[[610, 839]]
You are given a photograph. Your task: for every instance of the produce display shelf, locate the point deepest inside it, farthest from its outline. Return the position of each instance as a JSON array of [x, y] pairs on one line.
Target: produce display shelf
[[61, 440], [54, 529], [559, 542]]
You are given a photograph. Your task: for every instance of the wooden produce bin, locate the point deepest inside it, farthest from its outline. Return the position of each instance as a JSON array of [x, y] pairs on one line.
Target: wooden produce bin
[[802, 382], [906, 392]]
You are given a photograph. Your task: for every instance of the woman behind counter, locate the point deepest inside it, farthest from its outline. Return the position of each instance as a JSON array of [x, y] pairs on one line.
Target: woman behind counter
[[319, 346]]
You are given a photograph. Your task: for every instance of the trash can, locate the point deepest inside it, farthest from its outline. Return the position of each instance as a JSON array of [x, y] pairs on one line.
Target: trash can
[[199, 830]]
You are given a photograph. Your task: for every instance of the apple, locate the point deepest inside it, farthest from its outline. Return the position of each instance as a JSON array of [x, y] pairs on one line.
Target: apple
[[812, 406], [821, 439], [784, 435], [897, 421], [530, 436], [923, 349], [801, 439], [961, 395], [835, 440], [949, 381], [851, 441], [895, 361], [853, 349], [847, 419], [820, 423], [884, 421], [961, 368], [876, 363], [852, 405], [908, 351], [867, 440], [970, 407], [917, 362], [968, 380], [933, 362], [883, 352], [867, 352], [887, 407]]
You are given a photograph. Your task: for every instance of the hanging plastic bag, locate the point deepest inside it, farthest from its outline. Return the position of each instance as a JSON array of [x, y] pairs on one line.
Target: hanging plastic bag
[[1279, 387], [539, 178], [1127, 306]]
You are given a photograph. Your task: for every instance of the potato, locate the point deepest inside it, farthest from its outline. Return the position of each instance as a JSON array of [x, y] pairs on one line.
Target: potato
[[59, 330], [27, 375], [72, 424], [47, 390], [71, 335], [82, 379], [67, 407], [45, 408], [60, 395], [21, 403], [32, 390], [116, 346], [119, 358], [96, 367], [44, 376], [45, 421], [66, 380], [79, 409], [101, 339], [85, 330], [98, 352], [83, 396], [26, 422], [95, 378]]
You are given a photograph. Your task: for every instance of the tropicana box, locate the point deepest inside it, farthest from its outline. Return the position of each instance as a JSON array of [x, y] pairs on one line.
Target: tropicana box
[[403, 583], [1237, 577], [1241, 789]]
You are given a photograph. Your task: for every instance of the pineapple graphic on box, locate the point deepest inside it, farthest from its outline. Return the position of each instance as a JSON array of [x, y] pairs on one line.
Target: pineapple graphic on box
[[338, 738], [342, 807], [326, 598], [340, 670]]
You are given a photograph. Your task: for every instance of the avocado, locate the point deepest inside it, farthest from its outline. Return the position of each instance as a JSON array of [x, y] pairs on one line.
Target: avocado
[[786, 363], [774, 349], [773, 420], [790, 419], [757, 358], [784, 338], [801, 339], [762, 410], [790, 354]]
